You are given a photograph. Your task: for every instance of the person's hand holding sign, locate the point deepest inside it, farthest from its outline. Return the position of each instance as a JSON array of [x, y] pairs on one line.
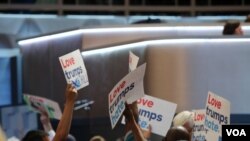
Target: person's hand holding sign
[[70, 93], [131, 122], [129, 116], [65, 122], [45, 120], [147, 133]]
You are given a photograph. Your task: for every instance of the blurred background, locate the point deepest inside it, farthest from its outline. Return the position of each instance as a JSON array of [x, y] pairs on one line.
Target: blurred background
[[179, 70]]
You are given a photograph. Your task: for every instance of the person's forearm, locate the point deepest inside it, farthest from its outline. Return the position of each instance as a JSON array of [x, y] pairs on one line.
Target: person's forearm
[[137, 132], [47, 126], [63, 128]]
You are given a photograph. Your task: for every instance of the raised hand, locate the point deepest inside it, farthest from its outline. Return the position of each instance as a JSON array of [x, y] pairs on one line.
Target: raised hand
[[71, 93], [63, 127]]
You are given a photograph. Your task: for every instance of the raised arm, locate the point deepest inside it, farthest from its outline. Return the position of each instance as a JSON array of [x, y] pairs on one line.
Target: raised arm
[[63, 128], [45, 120], [147, 133], [132, 124]]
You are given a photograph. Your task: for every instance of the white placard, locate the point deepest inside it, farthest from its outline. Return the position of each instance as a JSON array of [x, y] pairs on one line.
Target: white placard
[[217, 114], [129, 88], [74, 69], [133, 61], [199, 131], [36, 103], [156, 112]]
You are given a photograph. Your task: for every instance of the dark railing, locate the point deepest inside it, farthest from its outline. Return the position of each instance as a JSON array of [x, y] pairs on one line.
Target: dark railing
[[128, 7]]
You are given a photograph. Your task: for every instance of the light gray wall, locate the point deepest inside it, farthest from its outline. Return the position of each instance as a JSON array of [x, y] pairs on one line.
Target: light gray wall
[[185, 72]]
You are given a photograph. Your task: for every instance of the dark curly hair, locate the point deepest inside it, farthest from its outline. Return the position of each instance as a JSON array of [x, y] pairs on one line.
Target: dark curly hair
[[177, 133], [35, 135]]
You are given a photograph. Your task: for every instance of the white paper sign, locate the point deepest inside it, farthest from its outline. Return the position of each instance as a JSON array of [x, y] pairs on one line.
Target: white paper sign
[[217, 114], [74, 69], [129, 88], [36, 103], [156, 112], [199, 131], [133, 61]]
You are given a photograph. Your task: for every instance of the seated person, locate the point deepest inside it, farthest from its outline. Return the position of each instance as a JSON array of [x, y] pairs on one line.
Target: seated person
[[247, 19], [176, 134], [232, 28], [185, 119], [64, 124]]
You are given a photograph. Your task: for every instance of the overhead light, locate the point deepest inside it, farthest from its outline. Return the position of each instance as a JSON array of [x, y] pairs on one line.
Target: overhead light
[[91, 17], [123, 29], [162, 42], [49, 37], [114, 48], [117, 29]]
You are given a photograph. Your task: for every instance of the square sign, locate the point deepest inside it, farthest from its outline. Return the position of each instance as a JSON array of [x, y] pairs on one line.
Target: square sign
[[37, 103], [74, 69], [129, 88], [217, 114], [199, 131], [156, 112]]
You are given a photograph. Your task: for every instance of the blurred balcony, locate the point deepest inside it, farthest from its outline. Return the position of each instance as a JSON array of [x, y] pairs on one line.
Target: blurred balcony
[[127, 7]]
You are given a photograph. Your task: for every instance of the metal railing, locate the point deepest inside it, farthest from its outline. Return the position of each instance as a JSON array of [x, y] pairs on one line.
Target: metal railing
[[125, 8]]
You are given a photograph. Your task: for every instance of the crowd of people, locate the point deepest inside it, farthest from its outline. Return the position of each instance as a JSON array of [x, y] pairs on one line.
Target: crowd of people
[[132, 129], [133, 132], [181, 129]]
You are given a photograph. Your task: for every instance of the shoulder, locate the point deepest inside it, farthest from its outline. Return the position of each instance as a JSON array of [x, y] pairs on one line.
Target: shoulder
[[129, 136]]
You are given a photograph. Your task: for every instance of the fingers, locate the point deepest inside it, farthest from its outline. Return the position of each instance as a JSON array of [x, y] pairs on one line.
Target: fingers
[[128, 112], [71, 88], [42, 110], [71, 93], [147, 133], [150, 127], [126, 105]]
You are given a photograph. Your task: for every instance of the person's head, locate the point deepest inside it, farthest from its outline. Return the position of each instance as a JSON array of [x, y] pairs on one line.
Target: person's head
[[232, 28], [36, 135], [70, 138], [247, 19], [97, 138], [178, 133], [185, 119]]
